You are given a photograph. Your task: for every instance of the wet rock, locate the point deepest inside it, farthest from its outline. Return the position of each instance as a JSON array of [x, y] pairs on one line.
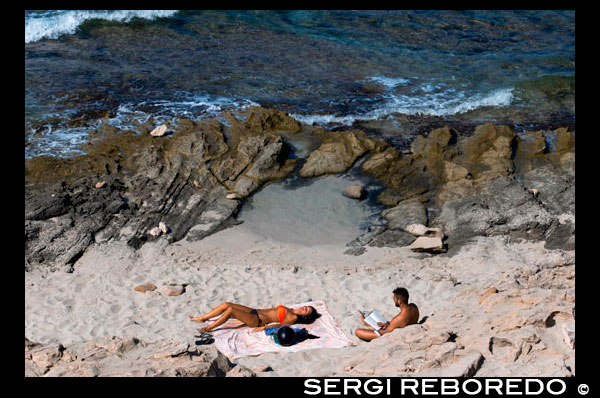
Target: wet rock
[[258, 119], [391, 238], [65, 213], [355, 251], [404, 214], [338, 152], [354, 192]]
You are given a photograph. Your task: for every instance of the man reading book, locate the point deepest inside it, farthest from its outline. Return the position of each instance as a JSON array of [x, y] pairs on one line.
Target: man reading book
[[409, 315]]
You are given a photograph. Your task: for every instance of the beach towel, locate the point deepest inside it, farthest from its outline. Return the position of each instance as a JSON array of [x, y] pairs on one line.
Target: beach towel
[[235, 340]]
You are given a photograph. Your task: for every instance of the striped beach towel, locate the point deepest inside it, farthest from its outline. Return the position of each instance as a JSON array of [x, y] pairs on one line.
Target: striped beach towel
[[235, 340]]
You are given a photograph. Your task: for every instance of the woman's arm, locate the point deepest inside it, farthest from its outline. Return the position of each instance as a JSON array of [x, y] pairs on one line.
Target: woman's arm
[[265, 327]]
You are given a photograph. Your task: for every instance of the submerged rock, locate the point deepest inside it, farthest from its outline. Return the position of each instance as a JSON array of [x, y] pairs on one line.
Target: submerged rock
[[354, 192]]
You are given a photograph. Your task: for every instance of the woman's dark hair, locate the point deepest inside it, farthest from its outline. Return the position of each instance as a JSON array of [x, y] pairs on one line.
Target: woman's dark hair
[[310, 318]]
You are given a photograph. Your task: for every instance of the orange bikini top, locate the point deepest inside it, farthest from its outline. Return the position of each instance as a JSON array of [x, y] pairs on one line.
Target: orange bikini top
[[281, 313]]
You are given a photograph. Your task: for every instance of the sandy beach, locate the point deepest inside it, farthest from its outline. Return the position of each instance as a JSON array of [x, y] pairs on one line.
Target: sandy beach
[[238, 265]]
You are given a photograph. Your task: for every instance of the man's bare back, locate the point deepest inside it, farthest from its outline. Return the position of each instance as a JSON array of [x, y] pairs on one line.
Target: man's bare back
[[409, 315]]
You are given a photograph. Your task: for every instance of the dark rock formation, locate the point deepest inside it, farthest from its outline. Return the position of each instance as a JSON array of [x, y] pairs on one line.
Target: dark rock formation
[[493, 182], [181, 179]]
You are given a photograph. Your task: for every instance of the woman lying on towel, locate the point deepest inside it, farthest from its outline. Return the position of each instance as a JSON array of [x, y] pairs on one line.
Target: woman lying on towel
[[258, 318]]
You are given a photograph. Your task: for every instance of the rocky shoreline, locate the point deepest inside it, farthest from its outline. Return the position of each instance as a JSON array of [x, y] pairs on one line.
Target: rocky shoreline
[[458, 187]]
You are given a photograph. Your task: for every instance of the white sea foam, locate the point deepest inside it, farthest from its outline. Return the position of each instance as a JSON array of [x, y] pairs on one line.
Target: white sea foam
[[445, 103], [389, 82], [195, 107], [53, 24], [59, 140]]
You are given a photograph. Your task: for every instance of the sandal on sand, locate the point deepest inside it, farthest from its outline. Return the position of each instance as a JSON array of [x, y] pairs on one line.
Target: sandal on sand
[[204, 339]]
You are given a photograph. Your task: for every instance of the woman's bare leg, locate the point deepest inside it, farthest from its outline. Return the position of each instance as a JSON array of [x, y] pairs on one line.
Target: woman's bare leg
[[233, 312], [211, 314], [219, 310]]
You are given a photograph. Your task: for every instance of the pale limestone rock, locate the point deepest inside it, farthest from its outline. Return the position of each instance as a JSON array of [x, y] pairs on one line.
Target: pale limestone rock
[[159, 131], [489, 292], [146, 287], [426, 244], [171, 349], [416, 229], [155, 231], [117, 345], [240, 371], [46, 357], [163, 227], [568, 330], [173, 290], [166, 358], [464, 364], [31, 370], [422, 230]]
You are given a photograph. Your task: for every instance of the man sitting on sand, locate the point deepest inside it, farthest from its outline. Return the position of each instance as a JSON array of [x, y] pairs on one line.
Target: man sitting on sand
[[409, 315]]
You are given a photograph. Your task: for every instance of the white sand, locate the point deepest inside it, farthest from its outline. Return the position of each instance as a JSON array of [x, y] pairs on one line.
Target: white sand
[[240, 266]]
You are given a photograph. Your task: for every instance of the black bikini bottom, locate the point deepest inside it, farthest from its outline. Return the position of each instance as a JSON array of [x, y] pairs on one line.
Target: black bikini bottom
[[257, 317]]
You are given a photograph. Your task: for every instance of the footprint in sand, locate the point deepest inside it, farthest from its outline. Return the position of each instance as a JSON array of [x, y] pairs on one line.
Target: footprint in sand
[[69, 302], [78, 287]]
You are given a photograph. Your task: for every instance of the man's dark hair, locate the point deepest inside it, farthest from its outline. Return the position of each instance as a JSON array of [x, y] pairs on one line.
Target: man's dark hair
[[310, 318], [401, 294]]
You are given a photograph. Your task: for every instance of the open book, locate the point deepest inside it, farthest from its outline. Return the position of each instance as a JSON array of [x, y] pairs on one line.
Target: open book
[[373, 318]]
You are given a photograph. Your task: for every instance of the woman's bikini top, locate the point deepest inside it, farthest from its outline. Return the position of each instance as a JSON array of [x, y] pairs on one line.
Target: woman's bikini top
[[281, 311]]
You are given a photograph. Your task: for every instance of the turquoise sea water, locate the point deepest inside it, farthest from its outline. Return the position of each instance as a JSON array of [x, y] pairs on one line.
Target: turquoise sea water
[[327, 67]]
